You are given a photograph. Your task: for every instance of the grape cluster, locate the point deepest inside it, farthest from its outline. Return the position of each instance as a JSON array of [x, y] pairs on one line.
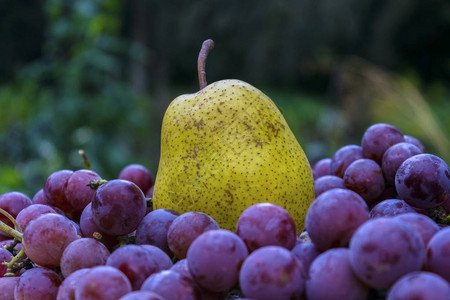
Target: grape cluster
[[376, 230]]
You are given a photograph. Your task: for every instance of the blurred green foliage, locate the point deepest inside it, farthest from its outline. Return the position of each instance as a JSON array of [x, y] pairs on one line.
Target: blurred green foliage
[[98, 75]]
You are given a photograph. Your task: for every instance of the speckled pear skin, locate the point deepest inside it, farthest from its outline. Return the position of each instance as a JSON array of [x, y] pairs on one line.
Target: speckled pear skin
[[227, 147]]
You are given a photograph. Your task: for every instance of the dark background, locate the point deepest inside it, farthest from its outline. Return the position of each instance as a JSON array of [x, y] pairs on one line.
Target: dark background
[[98, 75]]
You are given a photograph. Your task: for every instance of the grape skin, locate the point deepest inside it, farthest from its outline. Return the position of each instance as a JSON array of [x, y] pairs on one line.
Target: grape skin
[[30, 213], [54, 190], [420, 285], [5, 256], [394, 157], [390, 207], [272, 272], [214, 259], [102, 283], [67, 288], [154, 227], [138, 174], [141, 295], [343, 157], [185, 229], [46, 237], [118, 206], [334, 216], [83, 253], [332, 269], [265, 224], [321, 168], [423, 181], [76, 190], [327, 182], [384, 249], [378, 138], [425, 226], [306, 252], [438, 254], [364, 176], [12, 203], [138, 262], [7, 286], [37, 283], [171, 285]]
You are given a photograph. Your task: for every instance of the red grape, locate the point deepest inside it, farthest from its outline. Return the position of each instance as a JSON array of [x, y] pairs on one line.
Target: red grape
[[378, 138], [30, 213], [138, 174], [67, 288], [438, 254], [186, 228], [171, 285], [390, 207], [306, 252], [425, 226], [334, 216], [46, 237], [327, 182], [118, 206], [39, 198], [272, 272], [214, 259], [265, 224], [394, 157], [420, 285], [154, 227], [37, 283], [423, 181], [12, 203], [83, 253], [54, 190], [384, 249], [138, 263], [77, 191], [5, 256], [415, 141], [141, 295], [102, 283], [321, 168], [7, 286], [364, 176], [332, 270], [343, 157]]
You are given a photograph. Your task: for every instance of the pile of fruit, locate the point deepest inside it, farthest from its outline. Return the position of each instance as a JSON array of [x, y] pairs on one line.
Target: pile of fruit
[[236, 212]]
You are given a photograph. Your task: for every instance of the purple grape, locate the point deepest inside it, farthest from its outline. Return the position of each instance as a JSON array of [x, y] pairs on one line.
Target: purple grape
[[306, 252], [185, 229], [416, 142], [327, 182], [39, 198], [83, 253], [141, 295], [31, 212], [46, 237], [118, 206], [5, 256], [334, 216], [77, 191], [364, 176], [321, 167], [12, 203], [265, 224], [54, 190], [394, 157], [384, 249], [423, 181], [154, 227], [390, 207], [67, 288], [90, 229], [272, 272], [425, 226], [343, 157], [332, 270], [182, 267], [214, 259], [378, 138], [102, 283], [171, 285], [438, 254], [138, 262], [138, 174], [420, 285], [37, 283], [7, 286]]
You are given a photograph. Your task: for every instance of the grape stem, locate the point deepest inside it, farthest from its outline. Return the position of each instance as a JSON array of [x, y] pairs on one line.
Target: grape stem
[[207, 46], [11, 218], [94, 184], [14, 260], [86, 163], [11, 231]]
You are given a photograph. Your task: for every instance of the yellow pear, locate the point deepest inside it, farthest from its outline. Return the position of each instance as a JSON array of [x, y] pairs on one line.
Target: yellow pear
[[227, 147]]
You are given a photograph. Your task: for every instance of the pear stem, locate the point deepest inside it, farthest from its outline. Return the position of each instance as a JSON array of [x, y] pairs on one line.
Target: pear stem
[[207, 46]]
